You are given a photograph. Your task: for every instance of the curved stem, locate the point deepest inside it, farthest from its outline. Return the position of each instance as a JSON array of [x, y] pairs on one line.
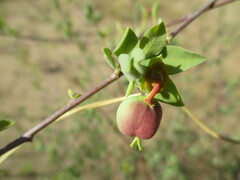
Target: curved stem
[[156, 88], [185, 109], [206, 129]]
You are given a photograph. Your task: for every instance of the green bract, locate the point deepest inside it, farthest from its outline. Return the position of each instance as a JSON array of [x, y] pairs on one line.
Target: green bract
[[137, 56]]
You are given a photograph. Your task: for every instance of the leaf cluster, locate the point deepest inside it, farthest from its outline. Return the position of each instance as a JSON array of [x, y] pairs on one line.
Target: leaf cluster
[[136, 58]]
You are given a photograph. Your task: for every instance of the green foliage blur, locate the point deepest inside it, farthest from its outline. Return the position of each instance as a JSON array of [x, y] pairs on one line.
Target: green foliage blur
[[50, 46]]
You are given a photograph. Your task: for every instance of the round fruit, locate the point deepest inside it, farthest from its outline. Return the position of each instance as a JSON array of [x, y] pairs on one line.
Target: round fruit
[[135, 117]]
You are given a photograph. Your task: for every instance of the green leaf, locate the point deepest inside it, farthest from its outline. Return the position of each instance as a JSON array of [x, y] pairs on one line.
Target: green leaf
[[108, 57], [169, 95], [73, 95], [127, 67], [178, 59], [127, 43], [151, 61], [5, 123], [125, 62], [138, 55], [154, 40]]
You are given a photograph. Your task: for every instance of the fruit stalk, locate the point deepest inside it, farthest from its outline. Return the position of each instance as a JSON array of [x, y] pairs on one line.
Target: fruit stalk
[[155, 90]]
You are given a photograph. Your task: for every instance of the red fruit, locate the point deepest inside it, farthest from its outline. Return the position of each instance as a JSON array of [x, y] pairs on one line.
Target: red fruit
[[135, 117]]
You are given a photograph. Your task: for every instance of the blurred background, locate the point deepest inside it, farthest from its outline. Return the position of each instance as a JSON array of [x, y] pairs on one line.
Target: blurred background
[[49, 46]]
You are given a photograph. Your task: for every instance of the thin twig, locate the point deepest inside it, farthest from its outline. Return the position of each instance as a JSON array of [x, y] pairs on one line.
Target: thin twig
[[191, 17], [208, 130], [215, 5], [28, 136], [73, 103]]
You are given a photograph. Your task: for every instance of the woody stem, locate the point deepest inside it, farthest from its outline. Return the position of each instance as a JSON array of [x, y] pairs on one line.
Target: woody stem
[[156, 88]]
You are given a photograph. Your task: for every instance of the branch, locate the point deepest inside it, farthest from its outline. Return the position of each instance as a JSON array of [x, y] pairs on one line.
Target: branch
[[28, 136], [192, 16], [215, 5]]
